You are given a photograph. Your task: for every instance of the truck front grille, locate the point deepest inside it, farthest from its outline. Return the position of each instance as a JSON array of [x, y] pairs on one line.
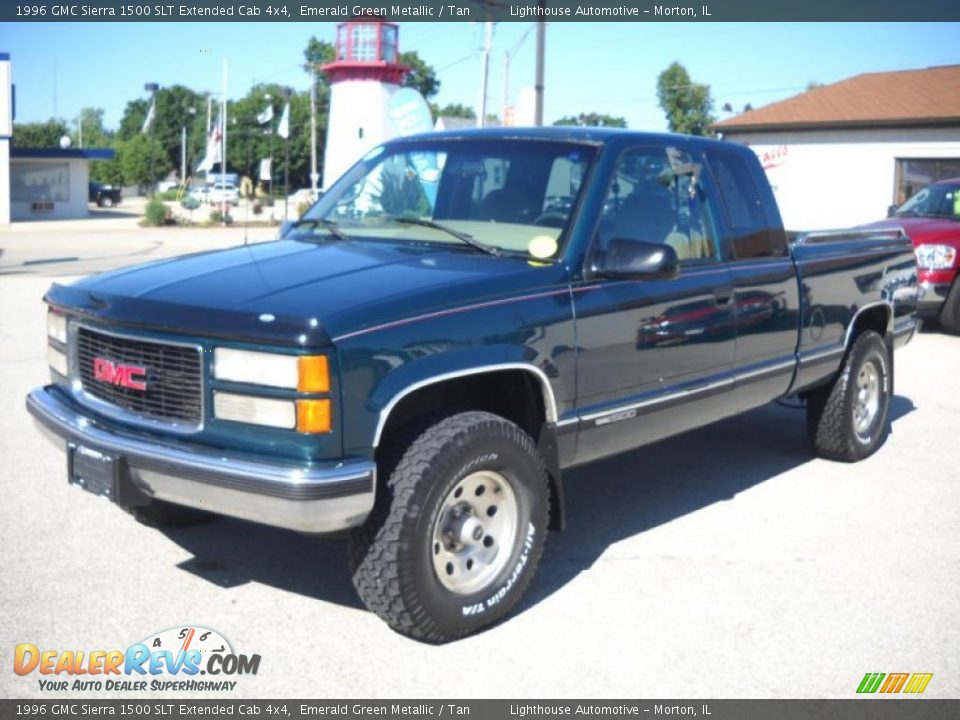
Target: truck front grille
[[152, 380]]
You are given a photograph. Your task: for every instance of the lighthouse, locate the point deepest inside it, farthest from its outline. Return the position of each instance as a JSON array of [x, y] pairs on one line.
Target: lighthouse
[[365, 75]]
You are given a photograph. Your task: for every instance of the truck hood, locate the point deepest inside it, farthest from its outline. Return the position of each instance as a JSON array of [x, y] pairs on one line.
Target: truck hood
[[925, 230], [299, 292]]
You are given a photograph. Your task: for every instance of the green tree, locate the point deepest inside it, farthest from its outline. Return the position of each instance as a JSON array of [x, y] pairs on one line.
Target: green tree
[[138, 160], [453, 110], [172, 113], [39, 135], [592, 120], [688, 105], [422, 76]]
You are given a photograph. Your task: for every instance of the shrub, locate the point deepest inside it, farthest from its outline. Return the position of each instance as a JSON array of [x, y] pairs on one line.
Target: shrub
[[156, 213], [302, 209], [218, 217], [189, 203]]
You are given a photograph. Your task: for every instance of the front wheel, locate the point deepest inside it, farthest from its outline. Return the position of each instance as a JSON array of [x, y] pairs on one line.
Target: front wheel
[[458, 531], [848, 419]]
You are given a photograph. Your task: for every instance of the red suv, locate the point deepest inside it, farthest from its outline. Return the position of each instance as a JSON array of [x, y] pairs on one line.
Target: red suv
[[932, 220]]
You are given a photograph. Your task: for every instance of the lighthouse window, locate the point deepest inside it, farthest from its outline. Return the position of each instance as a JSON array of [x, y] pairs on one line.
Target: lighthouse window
[[364, 42], [389, 43]]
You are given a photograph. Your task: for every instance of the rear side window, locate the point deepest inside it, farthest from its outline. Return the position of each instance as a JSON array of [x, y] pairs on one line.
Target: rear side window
[[752, 234]]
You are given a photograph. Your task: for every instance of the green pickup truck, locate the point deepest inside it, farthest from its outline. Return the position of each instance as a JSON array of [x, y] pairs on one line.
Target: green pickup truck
[[461, 317]]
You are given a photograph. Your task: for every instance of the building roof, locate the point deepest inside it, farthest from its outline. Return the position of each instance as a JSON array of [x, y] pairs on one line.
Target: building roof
[[63, 154], [930, 96]]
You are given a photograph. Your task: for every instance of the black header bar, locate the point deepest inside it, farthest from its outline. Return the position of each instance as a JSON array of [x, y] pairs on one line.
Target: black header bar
[[482, 10]]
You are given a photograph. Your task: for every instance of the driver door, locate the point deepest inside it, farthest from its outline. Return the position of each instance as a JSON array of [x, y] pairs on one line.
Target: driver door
[[655, 356]]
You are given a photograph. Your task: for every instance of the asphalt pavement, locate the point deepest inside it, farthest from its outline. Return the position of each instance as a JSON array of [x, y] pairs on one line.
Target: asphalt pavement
[[726, 562]]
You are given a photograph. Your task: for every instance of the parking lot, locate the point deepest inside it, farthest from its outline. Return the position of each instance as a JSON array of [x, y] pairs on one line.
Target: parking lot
[[723, 563]]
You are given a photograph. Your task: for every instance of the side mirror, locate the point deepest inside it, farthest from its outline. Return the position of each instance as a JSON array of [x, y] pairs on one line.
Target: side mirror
[[285, 227], [891, 210], [630, 259]]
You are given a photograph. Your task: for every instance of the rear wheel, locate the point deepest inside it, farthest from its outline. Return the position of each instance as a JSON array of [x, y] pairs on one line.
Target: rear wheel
[[458, 532], [848, 419], [950, 313]]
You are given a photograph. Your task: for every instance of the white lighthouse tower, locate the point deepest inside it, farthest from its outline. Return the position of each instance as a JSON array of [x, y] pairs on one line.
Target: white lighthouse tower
[[364, 76]]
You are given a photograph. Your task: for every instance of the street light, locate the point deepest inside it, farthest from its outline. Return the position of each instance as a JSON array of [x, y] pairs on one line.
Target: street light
[[152, 87]]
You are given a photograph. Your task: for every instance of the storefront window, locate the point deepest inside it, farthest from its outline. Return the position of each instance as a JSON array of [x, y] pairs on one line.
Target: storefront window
[[914, 175], [35, 182]]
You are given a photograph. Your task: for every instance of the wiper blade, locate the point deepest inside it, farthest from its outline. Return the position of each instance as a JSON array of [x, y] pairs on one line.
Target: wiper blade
[[329, 225], [462, 236]]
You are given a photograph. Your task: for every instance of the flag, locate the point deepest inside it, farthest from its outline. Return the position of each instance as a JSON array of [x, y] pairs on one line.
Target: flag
[[266, 116], [283, 129], [214, 149], [148, 120]]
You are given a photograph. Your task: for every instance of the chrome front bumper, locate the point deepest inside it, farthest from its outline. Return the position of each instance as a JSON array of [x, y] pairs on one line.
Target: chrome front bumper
[[313, 498]]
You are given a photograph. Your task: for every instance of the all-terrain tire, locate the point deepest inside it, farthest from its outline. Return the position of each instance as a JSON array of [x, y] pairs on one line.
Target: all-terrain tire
[[394, 556], [835, 428], [950, 312], [161, 514]]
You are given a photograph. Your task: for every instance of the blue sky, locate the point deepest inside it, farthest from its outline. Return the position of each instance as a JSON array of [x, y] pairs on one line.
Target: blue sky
[[591, 67]]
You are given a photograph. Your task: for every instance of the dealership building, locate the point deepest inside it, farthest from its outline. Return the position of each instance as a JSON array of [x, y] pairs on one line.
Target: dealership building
[[839, 155], [39, 183]]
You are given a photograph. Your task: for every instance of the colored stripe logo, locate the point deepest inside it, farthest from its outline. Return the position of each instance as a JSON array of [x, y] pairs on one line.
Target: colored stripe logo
[[909, 683]]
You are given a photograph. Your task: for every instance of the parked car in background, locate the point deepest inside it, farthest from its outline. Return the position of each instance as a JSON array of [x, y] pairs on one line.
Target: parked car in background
[[104, 195], [201, 193], [932, 220], [165, 185], [219, 194]]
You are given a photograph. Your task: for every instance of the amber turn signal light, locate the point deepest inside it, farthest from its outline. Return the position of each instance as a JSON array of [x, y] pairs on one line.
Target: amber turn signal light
[[313, 374], [314, 416]]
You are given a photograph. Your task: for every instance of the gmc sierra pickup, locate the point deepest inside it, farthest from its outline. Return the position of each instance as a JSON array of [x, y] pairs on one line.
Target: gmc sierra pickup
[[422, 354]]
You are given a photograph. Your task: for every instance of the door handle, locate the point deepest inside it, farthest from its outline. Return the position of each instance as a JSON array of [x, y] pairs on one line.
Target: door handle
[[722, 299]]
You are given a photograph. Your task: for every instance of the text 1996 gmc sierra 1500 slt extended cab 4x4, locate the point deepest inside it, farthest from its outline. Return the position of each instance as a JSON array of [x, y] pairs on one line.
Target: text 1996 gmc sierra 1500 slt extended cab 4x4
[[422, 354]]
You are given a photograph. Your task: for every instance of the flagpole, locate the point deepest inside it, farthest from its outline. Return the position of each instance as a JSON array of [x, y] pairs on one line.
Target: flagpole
[[223, 135]]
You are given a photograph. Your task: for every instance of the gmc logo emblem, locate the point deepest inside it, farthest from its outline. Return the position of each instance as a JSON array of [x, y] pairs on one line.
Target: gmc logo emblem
[[128, 376]]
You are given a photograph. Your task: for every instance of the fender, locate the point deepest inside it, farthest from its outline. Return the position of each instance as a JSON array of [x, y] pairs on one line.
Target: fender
[[549, 400]]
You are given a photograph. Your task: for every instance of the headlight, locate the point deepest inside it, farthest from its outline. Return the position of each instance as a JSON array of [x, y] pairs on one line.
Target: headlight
[[306, 416], [936, 257], [304, 373], [255, 410], [57, 360], [57, 326]]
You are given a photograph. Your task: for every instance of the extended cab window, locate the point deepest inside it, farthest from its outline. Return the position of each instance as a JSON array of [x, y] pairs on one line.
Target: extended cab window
[[752, 233], [655, 195]]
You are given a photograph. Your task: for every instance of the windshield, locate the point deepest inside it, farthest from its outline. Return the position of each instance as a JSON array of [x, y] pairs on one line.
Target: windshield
[[514, 196], [941, 200]]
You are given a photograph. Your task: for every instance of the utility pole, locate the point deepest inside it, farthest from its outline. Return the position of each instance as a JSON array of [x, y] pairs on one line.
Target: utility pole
[[223, 160], [314, 177], [80, 129], [484, 75], [287, 93], [538, 88], [152, 87]]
